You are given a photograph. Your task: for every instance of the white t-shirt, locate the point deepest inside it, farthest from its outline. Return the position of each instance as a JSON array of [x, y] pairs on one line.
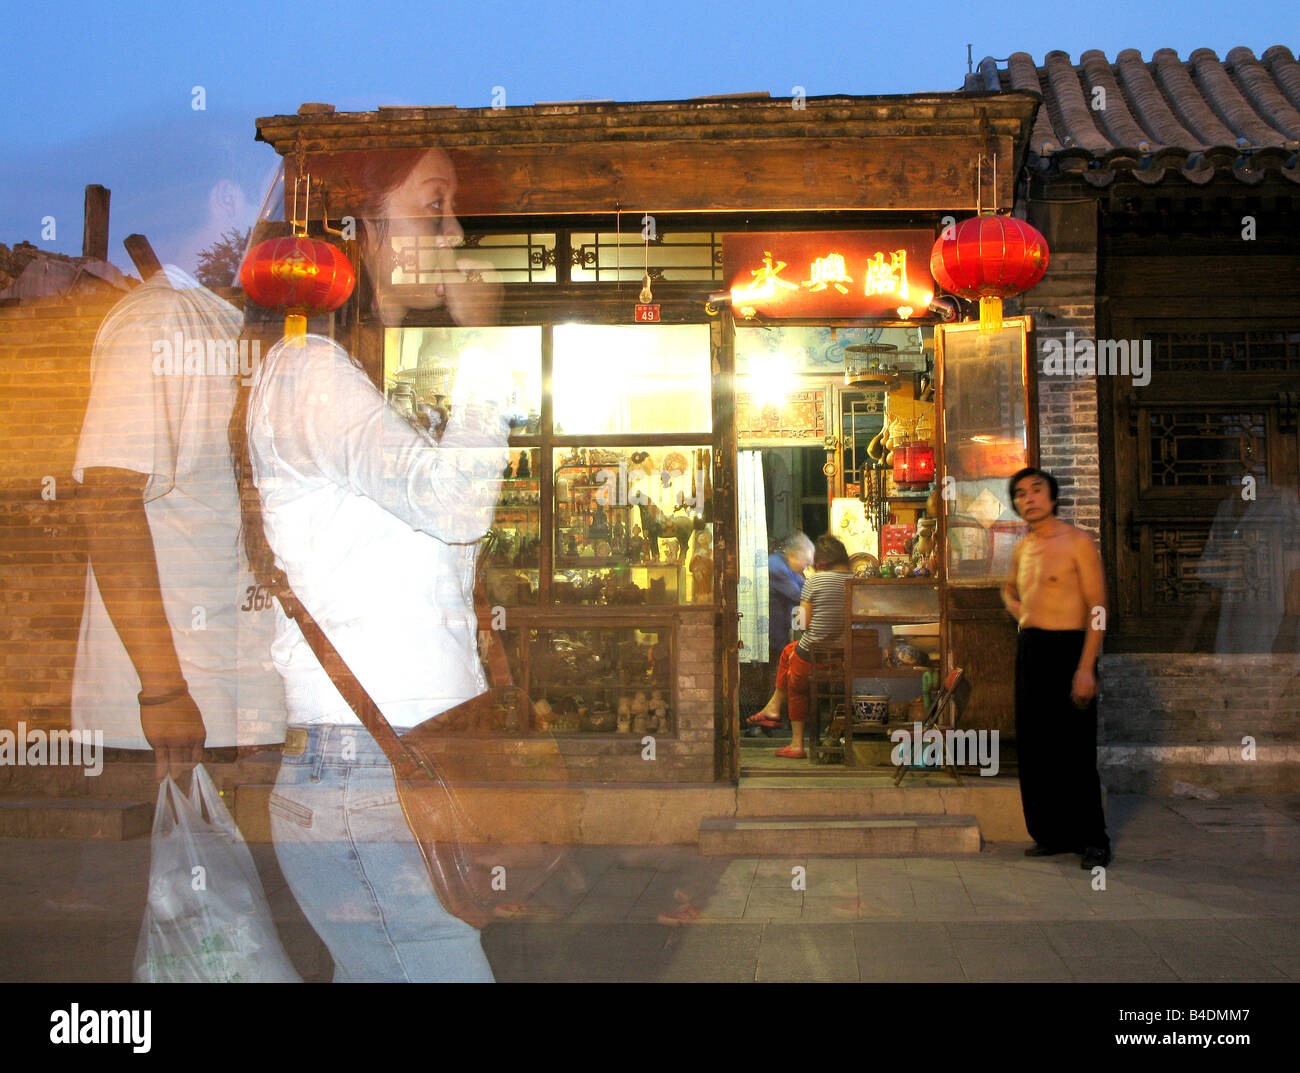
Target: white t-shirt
[[376, 527], [164, 376]]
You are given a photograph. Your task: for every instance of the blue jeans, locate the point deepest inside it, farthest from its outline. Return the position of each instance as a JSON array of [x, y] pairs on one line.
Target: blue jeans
[[355, 869]]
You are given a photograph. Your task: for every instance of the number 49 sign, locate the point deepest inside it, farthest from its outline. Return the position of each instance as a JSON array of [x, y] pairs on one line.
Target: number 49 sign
[[647, 314]]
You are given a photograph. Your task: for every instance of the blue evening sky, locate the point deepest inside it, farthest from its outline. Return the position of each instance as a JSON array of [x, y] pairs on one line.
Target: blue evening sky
[[104, 93]]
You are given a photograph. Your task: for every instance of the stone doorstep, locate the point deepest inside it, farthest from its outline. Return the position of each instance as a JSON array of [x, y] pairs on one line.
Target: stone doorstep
[[78, 818], [830, 836]]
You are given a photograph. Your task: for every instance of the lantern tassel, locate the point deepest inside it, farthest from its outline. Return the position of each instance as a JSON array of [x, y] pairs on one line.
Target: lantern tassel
[[295, 329], [990, 314]]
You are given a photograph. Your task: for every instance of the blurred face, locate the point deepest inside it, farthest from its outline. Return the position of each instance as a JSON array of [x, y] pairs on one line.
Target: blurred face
[[427, 195], [423, 204], [1032, 499]]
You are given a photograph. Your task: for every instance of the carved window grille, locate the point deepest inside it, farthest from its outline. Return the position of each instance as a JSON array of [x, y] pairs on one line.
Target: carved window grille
[[1258, 351], [515, 258], [608, 257], [1193, 562], [1205, 447]]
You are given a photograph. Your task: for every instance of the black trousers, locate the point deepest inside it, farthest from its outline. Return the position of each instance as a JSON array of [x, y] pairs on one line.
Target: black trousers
[[1056, 744]]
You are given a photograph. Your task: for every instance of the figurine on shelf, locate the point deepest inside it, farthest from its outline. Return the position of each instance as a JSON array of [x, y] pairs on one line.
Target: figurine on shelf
[[659, 710], [624, 715], [636, 546], [618, 537], [523, 469], [702, 568], [508, 472], [599, 529], [668, 549], [542, 714], [640, 714], [571, 546]]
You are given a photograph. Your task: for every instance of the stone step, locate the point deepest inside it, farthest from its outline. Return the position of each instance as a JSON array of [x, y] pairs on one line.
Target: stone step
[[79, 818], [833, 836]]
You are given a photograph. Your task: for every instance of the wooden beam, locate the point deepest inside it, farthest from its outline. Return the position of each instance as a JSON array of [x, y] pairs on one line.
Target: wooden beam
[[94, 235]]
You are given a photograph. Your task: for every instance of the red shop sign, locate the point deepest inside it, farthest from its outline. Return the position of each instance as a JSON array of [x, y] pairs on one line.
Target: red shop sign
[[796, 274]]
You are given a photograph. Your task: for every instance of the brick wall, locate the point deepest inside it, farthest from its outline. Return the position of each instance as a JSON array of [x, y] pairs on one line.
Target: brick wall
[[1183, 717], [44, 382], [1066, 300]]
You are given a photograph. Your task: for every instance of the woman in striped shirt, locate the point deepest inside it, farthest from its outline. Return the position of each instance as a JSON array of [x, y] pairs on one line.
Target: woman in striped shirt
[[821, 613]]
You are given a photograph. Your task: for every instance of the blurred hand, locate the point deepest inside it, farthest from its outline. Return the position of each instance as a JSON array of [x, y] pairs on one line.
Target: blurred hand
[[176, 732]]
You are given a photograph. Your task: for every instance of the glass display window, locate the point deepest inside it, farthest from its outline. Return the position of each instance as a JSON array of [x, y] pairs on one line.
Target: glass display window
[[422, 368], [615, 680], [985, 441], [512, 552], [633, 526], [620, 379]]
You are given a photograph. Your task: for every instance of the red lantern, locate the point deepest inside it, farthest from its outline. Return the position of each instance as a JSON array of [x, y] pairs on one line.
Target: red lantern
[[913, 465], [298, 275], [990, 258]]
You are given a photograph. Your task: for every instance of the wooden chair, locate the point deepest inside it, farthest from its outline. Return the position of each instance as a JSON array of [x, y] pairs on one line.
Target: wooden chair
[[938, 707], [825, 695]]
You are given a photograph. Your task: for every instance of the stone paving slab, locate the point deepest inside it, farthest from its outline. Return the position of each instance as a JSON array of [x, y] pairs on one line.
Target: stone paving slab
[[1183, 900]]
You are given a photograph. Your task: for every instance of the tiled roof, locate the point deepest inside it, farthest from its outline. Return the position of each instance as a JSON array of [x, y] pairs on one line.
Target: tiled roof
[[1200, 117]]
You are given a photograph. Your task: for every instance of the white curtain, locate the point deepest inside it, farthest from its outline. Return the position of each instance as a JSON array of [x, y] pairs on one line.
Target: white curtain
[[752, 596]]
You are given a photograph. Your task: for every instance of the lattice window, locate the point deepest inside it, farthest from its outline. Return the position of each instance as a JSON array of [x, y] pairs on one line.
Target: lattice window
[[1207, 447], [515, 258], [1238, 563], [607, 257], [1265, 350]]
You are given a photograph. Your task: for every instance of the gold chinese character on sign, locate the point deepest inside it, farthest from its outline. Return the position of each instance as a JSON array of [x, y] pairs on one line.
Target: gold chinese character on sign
[[768, 278], [828, 271], [887, 277]]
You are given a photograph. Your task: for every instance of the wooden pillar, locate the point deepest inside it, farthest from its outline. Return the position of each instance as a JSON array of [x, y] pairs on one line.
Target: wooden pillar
[[726, 543], [94, 234]]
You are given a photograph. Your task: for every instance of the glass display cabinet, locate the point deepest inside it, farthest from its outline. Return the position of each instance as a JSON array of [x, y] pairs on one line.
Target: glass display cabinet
[[630, 527]]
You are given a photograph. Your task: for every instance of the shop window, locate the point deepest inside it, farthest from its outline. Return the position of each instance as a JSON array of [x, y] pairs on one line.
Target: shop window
[[985, 441], [601, 680], [633, 527], [421, 367], [611, 380], [513, 550]]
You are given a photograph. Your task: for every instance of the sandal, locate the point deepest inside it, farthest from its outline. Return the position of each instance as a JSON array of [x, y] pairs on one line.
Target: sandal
[[758, 719], [684, 914], [791, 753]]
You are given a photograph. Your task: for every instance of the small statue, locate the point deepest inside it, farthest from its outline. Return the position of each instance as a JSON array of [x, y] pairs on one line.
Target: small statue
[[636, 546], [659, 710], [640, 714], [624, 715], [523, 469], [702, 568], [571, 546]]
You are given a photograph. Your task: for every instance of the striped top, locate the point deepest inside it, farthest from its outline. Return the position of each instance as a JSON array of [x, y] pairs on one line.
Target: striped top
[[825, 590]]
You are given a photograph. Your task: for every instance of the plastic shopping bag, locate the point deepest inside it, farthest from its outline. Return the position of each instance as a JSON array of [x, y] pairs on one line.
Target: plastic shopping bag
[[206, 920]]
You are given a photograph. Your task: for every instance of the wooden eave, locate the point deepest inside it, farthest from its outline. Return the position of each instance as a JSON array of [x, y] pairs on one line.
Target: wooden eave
[[914, 153]]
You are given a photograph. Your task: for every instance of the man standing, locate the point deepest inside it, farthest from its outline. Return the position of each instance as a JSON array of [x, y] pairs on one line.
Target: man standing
[[1057, 594], [175, 646]]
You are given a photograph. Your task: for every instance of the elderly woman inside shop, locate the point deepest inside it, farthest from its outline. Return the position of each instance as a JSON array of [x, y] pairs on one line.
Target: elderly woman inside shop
[[821, 606], [375, 524]]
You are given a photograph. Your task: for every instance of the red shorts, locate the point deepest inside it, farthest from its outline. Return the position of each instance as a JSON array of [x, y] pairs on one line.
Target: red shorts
[[792, 676]]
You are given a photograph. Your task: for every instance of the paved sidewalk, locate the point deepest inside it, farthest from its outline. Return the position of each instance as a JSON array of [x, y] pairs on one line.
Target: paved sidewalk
[[1199, 891]]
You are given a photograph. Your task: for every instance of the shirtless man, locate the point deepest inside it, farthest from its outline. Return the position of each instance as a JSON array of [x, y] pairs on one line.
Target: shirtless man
[[1057, 595]]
